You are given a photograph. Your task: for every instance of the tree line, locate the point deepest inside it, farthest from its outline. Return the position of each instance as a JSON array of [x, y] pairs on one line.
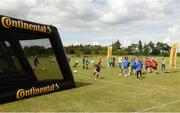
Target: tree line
[[37, 50], [146, 49]]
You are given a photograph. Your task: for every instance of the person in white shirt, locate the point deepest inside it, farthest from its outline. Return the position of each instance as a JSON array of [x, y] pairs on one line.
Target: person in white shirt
[[163, 64], [120, 65]]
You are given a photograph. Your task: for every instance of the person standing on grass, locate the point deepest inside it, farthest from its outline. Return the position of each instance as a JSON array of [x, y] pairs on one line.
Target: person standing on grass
[[110, 62], [69, 59], [75, 64], [154, 66], [139, 69], [126, 66], [87, 63], [120, 65], [36, 62], [163, 64], [132, 67], [84, 62], [147, 65], [113, 61], [97, 70]]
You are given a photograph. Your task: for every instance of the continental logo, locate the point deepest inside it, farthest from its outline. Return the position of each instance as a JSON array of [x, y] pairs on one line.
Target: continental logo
[[7, 22], [21, 93]]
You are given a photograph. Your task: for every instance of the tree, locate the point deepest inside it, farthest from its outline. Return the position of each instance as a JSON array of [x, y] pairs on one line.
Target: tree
[[117, 45], [150, 45], [140, 47], [97, 49], [163, 48], [34, 50], [72, 51], [146, 49]]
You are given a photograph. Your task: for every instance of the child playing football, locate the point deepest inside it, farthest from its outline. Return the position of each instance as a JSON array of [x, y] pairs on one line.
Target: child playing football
[[96, 70]]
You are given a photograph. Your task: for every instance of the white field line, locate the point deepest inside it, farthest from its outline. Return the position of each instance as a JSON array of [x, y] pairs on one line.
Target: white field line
[[150, 108], [146, 109], [159, 106]]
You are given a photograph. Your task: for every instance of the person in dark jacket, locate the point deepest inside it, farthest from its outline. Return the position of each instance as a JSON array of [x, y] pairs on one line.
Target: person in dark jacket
[[97, 70], [84, 62], [139, 69], [36, 61]]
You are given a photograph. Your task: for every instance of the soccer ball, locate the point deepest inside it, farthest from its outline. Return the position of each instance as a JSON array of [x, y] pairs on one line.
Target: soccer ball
[[92, 61], [44, 69], [75, 71], [120, 74]]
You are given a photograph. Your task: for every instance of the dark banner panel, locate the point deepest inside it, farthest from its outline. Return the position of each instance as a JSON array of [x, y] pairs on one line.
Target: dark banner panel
[[32, 60], [18, 25]]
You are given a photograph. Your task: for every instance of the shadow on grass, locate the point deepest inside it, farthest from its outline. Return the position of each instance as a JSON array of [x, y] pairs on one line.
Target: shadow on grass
[[82, 84], [143, 77], [174, 71], [101, 77], [171, 71]]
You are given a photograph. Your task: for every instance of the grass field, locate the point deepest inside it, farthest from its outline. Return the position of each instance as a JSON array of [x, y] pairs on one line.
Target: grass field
[[155, 93]]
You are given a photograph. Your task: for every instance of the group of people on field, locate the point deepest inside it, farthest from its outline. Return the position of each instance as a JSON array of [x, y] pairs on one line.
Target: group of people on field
[[130, 67], [112, 62], [151, 65], [85, 65], [36, 62], [135, 65]]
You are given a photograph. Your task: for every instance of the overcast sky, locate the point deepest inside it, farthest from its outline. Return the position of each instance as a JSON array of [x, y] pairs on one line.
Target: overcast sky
[[102, 21]]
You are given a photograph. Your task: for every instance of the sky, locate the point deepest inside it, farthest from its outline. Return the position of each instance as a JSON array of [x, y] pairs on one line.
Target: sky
[[102, 21]]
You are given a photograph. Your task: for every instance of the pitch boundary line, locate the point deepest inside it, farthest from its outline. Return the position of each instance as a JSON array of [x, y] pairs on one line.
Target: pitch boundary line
[[158, 106], [149, 108]]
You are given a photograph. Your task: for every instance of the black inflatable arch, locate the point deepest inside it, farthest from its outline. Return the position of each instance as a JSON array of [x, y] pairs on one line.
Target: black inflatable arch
[[14, 85]]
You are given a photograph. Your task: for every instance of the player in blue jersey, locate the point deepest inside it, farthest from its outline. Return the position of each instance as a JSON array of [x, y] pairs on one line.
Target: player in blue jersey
[[132, 67], [139, 67], [125, 64]]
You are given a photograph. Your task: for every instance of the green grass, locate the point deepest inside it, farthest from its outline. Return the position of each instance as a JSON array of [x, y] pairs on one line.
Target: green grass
[[155, 93], [51, 70]]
